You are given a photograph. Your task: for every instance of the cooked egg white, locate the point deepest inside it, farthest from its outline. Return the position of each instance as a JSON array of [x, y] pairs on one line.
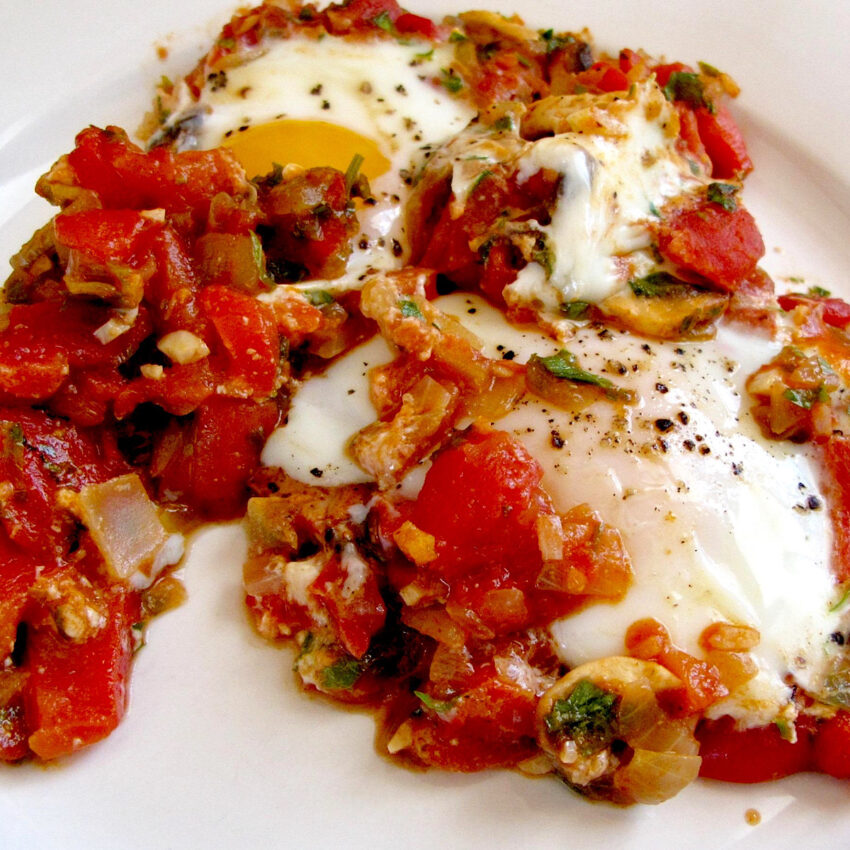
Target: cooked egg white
[[721, 525], [317, 102]]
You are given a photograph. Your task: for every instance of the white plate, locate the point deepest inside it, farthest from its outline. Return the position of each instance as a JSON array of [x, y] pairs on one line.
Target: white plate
[[219, 748]]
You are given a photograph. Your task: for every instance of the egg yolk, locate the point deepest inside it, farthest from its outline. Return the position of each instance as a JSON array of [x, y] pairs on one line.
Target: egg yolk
[[306, 143]]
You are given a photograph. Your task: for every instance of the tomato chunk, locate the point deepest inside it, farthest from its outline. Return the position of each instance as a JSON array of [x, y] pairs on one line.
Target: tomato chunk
[[720, 245], [76, 693], [751, 755], [480, 500]]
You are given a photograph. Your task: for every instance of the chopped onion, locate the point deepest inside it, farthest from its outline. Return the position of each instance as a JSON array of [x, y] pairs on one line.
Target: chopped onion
[[125, 526], [652, 777]]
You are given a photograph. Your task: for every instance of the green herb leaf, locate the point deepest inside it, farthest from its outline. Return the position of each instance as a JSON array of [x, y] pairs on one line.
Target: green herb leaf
[[554, 41], [587, 716], [451, 80], [687, 87], [319, 297], [654, 285], [564, 365], [383, 22], [803, 398], [418, 58], [708, 70], [410, 310], [819, 292], [438, 706], [479, 180], [260, 261], [724, 195], [227, 43], [505, 124], [352, 171], [342, 675], [575, 309], [526, 63], [457, 35], [653, 210]]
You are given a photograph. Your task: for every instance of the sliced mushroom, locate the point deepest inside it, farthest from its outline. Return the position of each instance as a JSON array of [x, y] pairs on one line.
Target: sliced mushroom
[[607, 733]]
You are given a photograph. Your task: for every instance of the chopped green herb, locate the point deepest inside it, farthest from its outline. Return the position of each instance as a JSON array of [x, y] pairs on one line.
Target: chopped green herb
[[410, 310], [554, 41], [260, 261], [786, 730], [575, 309], [842, 601], [708, 70], [544, 256], [16, 433], [457, 35], [352, 171], [819, 292], [526, 63], [451, 80], [505, 124], [686, 87], [424, 57], [342, 675], [653, 210], [724, 195], [439, 706], [166, 83], [654, 285], [805, 398], [564, 365], [319, 297], [383, 22], [479, 180], [227, 43], [587, 716]]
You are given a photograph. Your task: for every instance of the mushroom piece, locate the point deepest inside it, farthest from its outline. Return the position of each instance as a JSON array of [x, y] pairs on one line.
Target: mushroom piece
[[605, 728]]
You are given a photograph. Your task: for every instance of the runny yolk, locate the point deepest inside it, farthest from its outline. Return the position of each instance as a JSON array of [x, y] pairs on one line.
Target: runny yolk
[[306, 143]]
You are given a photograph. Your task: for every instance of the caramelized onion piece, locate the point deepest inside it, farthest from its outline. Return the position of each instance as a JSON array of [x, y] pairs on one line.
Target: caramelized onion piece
[[125, 526], [609, 736]]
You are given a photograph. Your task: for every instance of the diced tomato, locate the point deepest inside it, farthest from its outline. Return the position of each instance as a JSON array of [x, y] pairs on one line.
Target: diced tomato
[[210, 462], [689, 137], [353, 601], [751, 755], [723, 141], [18, 570], [45, 340], [360, 14], [723, 246], [492, 724], [603, 77], [40, 455], [107, 236], [499, 271], [836, 461], [171, 291], [76, 693], [834, 311], [13, 729], [410, 24], [831, 753], [124, 176], [701, 685], [479, 500], [249, 337], [664, 72]]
